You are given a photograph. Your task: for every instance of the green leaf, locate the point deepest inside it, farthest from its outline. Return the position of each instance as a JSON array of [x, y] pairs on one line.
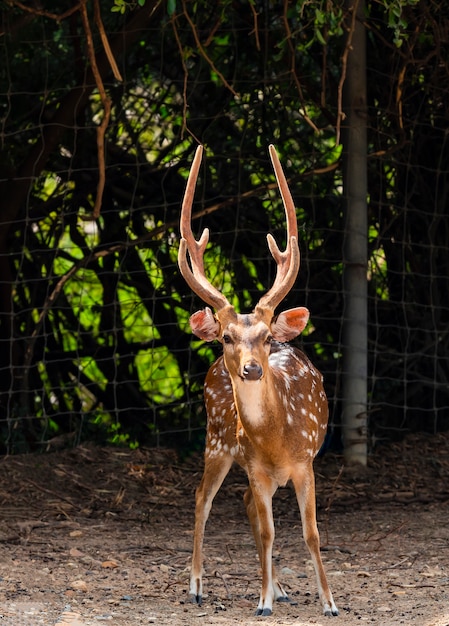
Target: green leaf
[[320, 37]]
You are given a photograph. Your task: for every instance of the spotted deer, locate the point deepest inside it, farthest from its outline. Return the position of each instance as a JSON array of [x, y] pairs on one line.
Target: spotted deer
[[265, 402]]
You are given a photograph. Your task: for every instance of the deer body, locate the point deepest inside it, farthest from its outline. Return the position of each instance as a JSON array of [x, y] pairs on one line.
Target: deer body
[[235, 426], [265, 403]]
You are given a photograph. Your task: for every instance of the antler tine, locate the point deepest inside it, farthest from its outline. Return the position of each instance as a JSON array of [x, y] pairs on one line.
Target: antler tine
[[287, 261], [195, 276]]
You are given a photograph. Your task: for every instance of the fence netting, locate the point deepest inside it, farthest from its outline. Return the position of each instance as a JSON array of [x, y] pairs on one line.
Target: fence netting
[[94, 335]]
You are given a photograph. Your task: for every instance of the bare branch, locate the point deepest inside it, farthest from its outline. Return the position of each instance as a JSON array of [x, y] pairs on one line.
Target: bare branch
[[105, 41], [106, 102], [203, 52], [293, 68]]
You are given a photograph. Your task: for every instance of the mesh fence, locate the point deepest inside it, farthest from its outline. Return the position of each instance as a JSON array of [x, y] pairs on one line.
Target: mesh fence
[[94, 338]]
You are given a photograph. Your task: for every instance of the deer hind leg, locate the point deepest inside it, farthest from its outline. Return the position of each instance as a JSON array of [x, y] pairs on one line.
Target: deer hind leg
[[304, 483], [278, 591], [215, 471], [258, 500]]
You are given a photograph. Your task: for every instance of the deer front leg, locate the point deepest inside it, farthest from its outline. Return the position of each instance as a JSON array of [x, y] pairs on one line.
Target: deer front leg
[[260, 513], [215, 471], [278, 591], [304, 483]]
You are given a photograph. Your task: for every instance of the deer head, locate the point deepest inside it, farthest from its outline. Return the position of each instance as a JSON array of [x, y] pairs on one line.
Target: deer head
[[246, 339]]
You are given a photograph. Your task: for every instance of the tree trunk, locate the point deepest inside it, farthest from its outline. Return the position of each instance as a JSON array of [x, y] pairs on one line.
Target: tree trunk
[[355, 253]]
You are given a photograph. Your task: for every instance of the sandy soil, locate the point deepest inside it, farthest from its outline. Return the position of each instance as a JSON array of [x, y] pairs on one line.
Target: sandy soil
[[93, 535]]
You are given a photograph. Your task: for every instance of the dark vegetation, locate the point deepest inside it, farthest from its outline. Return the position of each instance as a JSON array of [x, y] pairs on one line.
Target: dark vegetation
[[94, 340]]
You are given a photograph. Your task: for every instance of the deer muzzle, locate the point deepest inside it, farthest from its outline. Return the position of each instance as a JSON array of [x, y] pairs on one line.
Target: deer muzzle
[[252, 371]]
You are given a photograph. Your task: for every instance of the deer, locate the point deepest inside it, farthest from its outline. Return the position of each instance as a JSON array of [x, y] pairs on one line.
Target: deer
[[265, 402]]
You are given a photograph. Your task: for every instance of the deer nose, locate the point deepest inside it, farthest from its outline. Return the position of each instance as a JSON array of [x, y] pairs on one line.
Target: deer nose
[[252, 371]]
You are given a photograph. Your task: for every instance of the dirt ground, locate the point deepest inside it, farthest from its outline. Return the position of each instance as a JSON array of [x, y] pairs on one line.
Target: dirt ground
[[94, 535]]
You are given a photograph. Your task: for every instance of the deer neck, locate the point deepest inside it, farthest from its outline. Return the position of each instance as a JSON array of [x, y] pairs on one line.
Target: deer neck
[[262, 429], [255, 402]]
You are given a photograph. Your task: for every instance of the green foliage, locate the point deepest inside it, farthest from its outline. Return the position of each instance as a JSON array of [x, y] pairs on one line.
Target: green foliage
[[121, 6], [328, 21], [396, 11]]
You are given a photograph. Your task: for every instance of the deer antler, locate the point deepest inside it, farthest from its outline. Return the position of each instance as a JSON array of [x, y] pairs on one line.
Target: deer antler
[[287, 261], [195, 276]]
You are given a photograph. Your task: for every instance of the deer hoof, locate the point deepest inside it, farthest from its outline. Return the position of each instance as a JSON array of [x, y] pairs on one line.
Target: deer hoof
[[331, 612], [263, 612], [196, 599], [284, 599]]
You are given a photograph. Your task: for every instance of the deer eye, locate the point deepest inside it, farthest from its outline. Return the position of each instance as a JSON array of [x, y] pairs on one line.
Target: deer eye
[[269, 339], [227, 339]]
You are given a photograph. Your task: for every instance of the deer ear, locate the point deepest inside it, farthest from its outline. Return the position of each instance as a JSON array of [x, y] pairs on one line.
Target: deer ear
[[289, 324], [204, 325]]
